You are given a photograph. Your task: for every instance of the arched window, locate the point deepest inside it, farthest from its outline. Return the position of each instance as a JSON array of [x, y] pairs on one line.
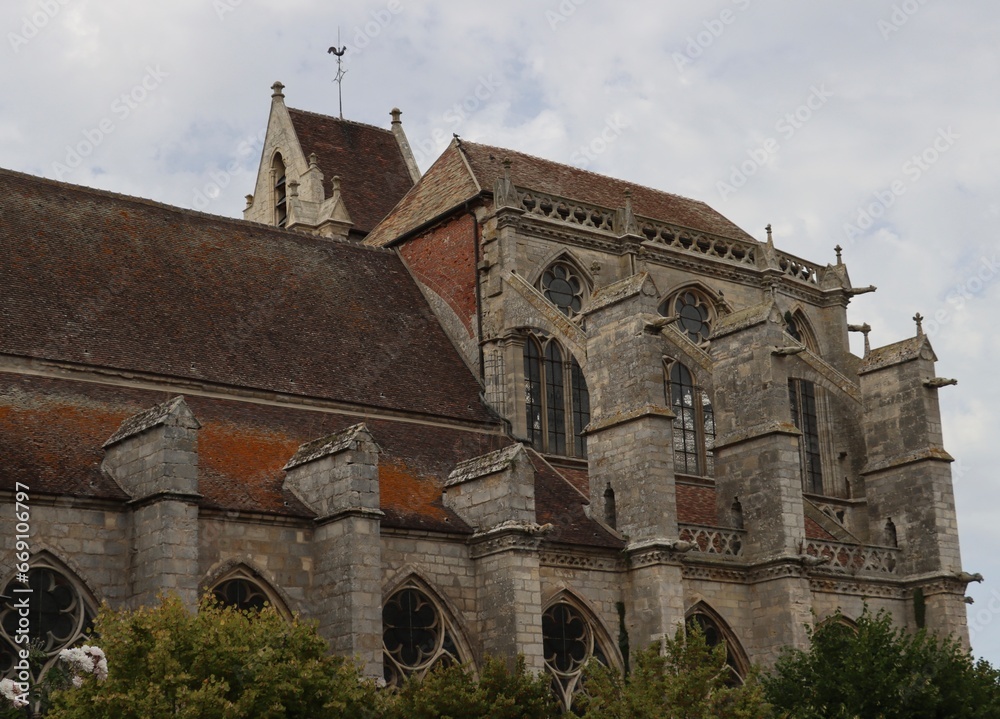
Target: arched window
[[569, 642], [58, 615], [556, 399], [241, 593], [694, 424], [416, 637], [280, 206], [798, 328], [563, 286], [716, 633], [802, 400], [694, 313]]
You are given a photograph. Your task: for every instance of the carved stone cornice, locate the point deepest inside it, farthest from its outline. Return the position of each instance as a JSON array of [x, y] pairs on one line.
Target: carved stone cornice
[[567, 559], [856, 588], [653, 552], [782, 568], [715, 573], [508, 537]]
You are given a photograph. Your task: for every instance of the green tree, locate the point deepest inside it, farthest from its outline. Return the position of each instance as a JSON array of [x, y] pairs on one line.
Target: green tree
[[218, 663], [687, 680], [882, 672], [454, 693]]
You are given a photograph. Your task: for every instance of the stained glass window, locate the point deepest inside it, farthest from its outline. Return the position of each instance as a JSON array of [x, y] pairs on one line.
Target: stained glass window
[[802, 401], [556, 400], [694, 424]]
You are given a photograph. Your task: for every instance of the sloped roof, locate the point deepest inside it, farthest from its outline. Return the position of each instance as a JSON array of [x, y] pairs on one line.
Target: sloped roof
[[368, 160], [905, 350], [52, 430], [446, 184], [559, 503], [101, 279], [482, 166]]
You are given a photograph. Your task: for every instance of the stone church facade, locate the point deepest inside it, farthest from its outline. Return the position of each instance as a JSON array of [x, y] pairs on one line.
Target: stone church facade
[[506, 406]]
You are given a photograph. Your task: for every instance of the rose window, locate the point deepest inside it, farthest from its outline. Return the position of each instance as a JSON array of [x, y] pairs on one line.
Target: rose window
[[563, 288], [694, 316], [415, 637]]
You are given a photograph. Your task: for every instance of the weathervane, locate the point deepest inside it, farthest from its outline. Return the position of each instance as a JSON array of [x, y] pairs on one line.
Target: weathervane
[[339, 51]]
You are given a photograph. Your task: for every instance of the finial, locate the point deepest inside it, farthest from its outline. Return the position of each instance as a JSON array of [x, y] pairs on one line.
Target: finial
[[336, 184], [313, 160], [838, 249], [249, 200], [395, 113], [919, 319], [768, 228], [277, 88], [338, 50]]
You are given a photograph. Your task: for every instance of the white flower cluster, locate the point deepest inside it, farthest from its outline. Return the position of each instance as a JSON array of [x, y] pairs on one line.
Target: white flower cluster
[[11, 692], [85, 660]]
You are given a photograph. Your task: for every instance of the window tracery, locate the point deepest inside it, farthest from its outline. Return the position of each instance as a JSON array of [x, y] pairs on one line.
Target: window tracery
[[694, 424], [556, 399], [241, 593], [416, 637], [569, 643], [562, 285], [58, 616], [717, 633], [694, 314]]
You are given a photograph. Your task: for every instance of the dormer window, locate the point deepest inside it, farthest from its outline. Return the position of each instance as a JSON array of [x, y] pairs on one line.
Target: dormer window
[[280, 198]]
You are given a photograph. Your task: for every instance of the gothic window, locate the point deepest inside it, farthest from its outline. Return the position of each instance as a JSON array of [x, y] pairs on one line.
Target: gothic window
[[802, 399], [694, 424], [694, 313], [416, 637], [891, 539], [58, 616], [569, 643], [556, 399], [562, 286], [798, 328], [280, 206], [716, 633], [242, 593]]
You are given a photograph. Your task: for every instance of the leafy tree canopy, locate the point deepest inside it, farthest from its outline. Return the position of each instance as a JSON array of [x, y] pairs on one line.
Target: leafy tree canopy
[[878, 671]]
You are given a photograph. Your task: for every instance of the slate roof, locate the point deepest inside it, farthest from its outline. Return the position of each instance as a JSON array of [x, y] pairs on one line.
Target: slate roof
[[368, 160], [95, 278], [464, 170]]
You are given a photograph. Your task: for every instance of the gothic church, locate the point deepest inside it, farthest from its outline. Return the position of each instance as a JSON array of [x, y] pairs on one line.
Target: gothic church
[[505, 406]]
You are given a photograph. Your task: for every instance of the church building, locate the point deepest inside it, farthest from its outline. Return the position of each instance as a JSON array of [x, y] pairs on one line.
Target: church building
[[504, 406]]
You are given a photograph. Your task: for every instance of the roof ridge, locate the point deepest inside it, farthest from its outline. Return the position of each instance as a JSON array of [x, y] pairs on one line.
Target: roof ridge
[[186, 211], [584, 170], [339, 119]]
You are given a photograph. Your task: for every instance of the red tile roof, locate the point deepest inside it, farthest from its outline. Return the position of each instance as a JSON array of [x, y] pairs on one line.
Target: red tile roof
[[557, 502], [52, 430], [464, 170], [102, 279], [371, 167], [814, 531]]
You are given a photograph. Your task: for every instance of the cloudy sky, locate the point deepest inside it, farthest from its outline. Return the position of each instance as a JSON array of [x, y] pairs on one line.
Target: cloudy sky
[[866, 123]]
